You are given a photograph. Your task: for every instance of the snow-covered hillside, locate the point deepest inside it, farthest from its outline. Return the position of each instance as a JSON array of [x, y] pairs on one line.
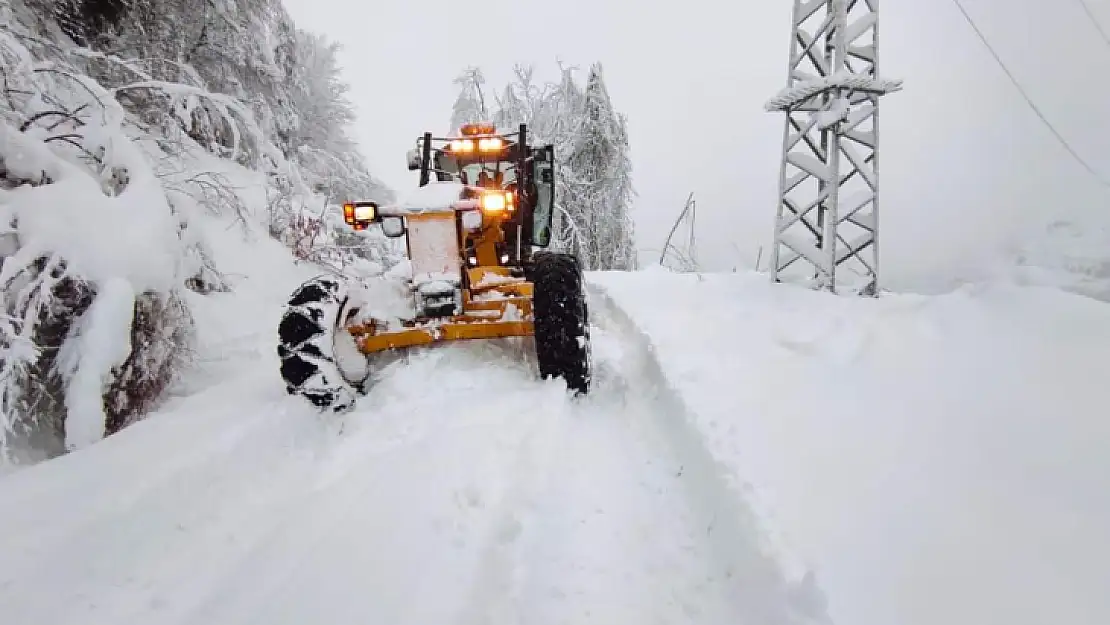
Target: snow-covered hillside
[[750, 454], [126, 130]]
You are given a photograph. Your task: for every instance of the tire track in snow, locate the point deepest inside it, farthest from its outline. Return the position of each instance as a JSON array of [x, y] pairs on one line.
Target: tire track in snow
[[121, 521], [244, 507], [391, 528], [623, 515]]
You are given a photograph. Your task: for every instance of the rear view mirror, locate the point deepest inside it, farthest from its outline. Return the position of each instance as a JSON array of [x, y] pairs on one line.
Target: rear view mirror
[[414, 159], [393, 227]]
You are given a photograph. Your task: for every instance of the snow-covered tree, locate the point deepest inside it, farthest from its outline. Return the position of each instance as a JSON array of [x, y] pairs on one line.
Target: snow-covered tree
[[122, 118], [319, 96], [470, 106], [320, 140], [558, 121], [513, 105], [599, 187], [594, 192], [528, 98]]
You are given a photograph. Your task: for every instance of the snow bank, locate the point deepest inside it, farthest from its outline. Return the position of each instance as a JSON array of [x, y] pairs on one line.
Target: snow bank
[[935, 459], [236, 329]]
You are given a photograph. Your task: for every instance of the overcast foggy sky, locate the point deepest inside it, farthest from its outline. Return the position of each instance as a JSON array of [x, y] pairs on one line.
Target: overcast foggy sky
[[965, 164]]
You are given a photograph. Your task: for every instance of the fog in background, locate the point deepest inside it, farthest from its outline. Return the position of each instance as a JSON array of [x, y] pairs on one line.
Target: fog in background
[[967, 168]]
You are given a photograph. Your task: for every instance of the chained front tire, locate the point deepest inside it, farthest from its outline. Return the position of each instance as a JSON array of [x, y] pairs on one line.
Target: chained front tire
[[310, 342], [562, 332]]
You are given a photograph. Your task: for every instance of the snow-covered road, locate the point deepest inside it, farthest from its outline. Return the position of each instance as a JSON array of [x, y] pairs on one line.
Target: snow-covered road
[[462, 490], [944, 462]]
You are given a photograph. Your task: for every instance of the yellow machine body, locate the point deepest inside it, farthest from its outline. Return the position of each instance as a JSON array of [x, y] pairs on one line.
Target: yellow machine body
[[494, 303]]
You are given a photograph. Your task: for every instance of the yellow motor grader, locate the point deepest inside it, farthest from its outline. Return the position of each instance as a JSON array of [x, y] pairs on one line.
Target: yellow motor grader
[[475, 270]]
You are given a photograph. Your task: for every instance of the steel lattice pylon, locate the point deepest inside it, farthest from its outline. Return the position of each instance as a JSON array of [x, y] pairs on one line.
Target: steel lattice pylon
[[828, 205]]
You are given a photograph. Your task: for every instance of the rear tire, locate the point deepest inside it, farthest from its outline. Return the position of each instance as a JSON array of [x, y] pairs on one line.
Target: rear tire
[[310, 326], [562, 332]]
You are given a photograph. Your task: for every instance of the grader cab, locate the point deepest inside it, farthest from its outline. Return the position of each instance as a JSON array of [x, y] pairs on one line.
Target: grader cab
[[474, 238]]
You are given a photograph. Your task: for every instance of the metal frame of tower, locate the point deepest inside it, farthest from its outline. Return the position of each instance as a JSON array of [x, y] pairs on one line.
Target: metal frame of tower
[[828, 207]]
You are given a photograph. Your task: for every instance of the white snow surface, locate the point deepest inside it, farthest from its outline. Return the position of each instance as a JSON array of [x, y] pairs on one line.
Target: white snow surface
[[933, 459], [749, 452]]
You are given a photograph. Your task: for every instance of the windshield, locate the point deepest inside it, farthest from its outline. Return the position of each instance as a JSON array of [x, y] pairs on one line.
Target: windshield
[[489, 173], [483, 174]]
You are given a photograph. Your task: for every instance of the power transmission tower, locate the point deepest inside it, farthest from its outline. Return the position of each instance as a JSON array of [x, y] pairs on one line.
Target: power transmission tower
[[828, 205]]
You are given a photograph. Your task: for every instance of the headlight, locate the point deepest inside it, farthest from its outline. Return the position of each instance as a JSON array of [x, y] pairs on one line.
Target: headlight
[[493, 202], [359, 214], [462, 145], [364, 213], [491, 144]]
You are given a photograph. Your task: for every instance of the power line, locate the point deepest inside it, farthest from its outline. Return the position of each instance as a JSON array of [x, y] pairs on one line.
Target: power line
[[1029, 100], [1094, 21]]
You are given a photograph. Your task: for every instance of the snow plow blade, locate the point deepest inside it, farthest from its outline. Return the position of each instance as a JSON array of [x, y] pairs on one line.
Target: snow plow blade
[[455, 330]]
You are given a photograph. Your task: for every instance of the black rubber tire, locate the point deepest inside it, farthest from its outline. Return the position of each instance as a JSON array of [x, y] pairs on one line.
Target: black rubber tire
[[561, 320], [306, 345]]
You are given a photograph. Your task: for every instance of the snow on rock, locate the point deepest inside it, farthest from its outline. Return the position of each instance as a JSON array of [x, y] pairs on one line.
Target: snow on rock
[[99, 341], [931, 459]]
